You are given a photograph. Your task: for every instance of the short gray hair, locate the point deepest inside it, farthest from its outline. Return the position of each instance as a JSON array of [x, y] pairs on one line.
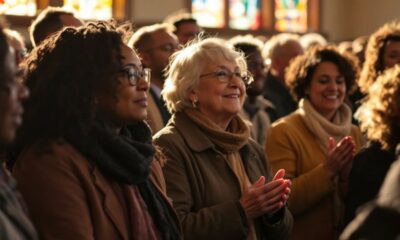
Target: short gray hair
[[186, 65]]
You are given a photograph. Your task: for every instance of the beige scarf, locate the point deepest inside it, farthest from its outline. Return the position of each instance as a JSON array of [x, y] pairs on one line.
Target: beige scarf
[[321, 127], [229, 141]]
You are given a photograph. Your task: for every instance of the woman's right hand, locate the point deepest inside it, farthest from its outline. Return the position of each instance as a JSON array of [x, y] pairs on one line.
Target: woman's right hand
[[262, 198], [339, 155]]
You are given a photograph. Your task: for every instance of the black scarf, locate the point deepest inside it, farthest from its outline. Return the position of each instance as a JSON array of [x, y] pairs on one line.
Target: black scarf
[[127, 158]]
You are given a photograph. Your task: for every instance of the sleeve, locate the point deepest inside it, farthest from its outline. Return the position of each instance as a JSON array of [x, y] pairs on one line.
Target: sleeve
[[225, 220], [284, 153], [280, 224], [55, 198]]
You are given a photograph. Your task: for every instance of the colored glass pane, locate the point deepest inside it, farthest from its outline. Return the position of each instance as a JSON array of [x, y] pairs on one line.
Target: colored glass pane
[[18, 7], [244, 14], [209, 13], [291, 15], [91, 9]]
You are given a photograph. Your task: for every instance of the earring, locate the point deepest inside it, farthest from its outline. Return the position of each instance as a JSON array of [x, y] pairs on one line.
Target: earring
[[194, 103]]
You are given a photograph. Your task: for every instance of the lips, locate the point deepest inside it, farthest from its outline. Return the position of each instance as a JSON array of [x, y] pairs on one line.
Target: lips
[[233, 95], [142, 102]]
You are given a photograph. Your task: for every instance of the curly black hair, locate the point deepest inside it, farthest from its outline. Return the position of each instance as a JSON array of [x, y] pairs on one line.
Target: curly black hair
[[65, 73], [299, 73]]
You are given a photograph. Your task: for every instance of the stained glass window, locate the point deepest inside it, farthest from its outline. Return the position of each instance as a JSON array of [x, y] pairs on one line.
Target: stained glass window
[[209, 13], [91, 9], [18, 7], [244, 14], [291, 15]]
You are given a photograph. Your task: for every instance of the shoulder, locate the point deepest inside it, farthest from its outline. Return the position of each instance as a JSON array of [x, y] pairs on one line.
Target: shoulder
[[55, 154], [289, 124]]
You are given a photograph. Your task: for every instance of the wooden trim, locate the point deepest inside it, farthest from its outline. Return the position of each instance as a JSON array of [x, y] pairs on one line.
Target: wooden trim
[[121, 9], [314, 16]]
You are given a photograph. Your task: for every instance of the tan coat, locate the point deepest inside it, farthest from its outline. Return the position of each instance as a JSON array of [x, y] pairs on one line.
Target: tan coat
[[291, 146], [205, 189], [69, 198]]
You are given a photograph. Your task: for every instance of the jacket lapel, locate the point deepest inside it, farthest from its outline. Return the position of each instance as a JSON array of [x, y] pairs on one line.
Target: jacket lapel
[[112, 206]]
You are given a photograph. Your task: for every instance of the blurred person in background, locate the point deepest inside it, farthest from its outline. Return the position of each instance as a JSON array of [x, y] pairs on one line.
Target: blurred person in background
[[256, 108], [279, 51]]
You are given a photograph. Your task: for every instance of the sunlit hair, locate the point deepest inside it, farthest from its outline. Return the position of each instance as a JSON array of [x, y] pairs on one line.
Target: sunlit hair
[[142, 38], [48, 21], [373, 65], [300, 71], [311, 39], [186, 66], [246, 43], [275, 46], [65, 75], [380, 118]]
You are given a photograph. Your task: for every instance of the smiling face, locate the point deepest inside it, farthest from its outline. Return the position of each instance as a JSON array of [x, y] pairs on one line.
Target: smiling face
[[128, 103], [218, 100], [12, 94], [327, 89]]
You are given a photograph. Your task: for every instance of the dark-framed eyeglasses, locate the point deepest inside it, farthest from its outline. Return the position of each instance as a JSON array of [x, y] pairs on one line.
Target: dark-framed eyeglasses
[[134, 75], [225, 76]]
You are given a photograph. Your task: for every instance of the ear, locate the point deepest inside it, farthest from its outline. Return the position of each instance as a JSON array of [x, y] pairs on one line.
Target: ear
[[193, 96]]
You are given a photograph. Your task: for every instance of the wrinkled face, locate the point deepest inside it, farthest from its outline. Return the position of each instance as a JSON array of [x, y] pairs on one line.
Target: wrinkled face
[[12, 93], [220, 97], [256, 67], [128, 104], [161, 47], [187, 31], [327, 89], [391, 54]]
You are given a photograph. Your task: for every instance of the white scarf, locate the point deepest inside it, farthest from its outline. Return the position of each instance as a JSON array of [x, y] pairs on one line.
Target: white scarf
[[321, 127]]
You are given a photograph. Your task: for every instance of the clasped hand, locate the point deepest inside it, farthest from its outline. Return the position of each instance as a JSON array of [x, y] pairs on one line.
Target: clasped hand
[[266, 198]]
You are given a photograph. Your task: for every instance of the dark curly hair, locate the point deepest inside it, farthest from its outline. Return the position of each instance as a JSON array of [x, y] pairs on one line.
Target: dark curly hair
[[301, 69], [65, 73], [380, 115], [373, 64]]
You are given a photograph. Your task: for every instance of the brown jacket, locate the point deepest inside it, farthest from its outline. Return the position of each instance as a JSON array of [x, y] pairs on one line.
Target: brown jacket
[[69, 198], [205, 190]]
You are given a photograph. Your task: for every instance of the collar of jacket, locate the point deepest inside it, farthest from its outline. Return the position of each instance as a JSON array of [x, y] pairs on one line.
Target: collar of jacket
[[195, 137]]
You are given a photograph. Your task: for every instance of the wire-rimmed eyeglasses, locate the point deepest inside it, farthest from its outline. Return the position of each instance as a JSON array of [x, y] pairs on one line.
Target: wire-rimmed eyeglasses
[[225, 76]]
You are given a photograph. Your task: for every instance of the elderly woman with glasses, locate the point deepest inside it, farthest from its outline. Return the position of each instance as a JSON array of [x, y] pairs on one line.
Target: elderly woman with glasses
[[85, 162], [217, 176]]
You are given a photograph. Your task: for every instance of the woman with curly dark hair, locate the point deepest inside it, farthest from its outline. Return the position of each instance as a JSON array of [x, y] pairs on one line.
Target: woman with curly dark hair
[[383, 51], [316, 144], [381, 122], [85, 164]]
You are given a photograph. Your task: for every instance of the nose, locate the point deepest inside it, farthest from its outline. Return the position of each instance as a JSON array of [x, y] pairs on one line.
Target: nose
[[142, 85], [333, 85], [23, 92]]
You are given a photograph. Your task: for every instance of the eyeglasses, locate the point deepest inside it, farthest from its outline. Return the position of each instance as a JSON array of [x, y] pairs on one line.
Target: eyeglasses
[[134, 75], [225, 76], [169, 47]]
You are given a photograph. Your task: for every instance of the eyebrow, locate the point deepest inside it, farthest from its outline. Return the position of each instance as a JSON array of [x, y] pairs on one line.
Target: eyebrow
[[224, 67]]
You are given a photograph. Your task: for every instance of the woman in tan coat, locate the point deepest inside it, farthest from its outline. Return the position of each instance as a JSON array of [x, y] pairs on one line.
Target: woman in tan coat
[[84, 152], [218, 177], [316, 144]]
